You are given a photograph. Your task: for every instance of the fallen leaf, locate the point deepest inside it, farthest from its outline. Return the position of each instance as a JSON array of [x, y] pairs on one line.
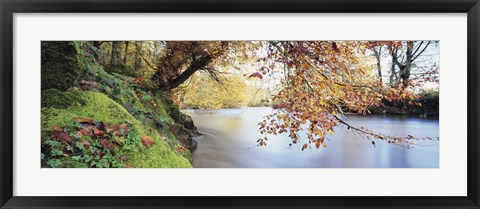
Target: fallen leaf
[[106, 144], [83, 120], [85, 143], [96, 131], [147, 141], [62, 136], [84, 132], [56, 128], [181, 149]]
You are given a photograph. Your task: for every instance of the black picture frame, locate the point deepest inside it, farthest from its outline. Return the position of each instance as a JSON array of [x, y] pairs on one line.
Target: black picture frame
[[10, 7]]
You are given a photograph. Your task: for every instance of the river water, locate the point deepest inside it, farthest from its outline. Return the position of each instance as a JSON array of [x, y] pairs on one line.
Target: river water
[[229, 137]]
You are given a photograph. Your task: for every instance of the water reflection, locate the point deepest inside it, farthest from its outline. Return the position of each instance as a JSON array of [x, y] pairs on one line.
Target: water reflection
[[229, 139]]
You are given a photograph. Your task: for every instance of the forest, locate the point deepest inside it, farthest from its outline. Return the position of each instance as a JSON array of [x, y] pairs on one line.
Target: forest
[[182, 104]]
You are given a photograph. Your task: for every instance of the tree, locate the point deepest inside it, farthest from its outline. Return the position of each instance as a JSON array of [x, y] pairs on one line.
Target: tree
[[116, 53], [324, 79], [404, 62], [125, 53], [377, 53], [138, 55], [201, 92], [182, 59]]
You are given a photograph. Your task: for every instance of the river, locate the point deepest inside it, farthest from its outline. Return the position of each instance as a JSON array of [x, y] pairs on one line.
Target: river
[[229, 137]]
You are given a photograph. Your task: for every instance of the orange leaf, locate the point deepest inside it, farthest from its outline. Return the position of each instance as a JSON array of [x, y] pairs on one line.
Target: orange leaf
[[256, 74], [62, 136], [83, 120], [147, 141], [107, 144], [96, 131], [84, 132]]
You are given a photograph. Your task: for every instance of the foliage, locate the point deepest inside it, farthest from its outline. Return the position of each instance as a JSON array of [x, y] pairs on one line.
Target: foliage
[[204, 93], [322, 79], [120, 69], [99, 107], [425, 103], [85, 143]]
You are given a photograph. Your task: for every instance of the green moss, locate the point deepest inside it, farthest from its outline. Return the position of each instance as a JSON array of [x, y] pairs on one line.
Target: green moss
[[160, 155], [59, 108], [82, 105], [169, 107], [62, 64], [55, 98]]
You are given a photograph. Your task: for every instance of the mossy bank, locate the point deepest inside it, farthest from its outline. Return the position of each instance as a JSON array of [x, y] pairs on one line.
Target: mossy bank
[[101, 119]]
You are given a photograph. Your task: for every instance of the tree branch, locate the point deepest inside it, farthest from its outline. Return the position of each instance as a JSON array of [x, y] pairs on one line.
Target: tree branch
[[415, 57], [194, 67], [143, 58]]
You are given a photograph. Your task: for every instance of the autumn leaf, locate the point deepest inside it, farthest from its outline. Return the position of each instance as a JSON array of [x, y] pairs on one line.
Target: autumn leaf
[[85, 143], [96, 131], [147, 141], [335, 47], [317, 144], [62, 136], [107, 144], [57, 128], [181, 149], [84, 132], [256, 75], [83, 120]]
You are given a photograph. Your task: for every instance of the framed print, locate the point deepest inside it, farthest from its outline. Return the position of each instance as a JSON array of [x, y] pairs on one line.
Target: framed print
[[266, 104]]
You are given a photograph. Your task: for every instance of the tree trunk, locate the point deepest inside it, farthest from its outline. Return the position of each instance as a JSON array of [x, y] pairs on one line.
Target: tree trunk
[[377, 54], [138, 58], [393, 73], [116, 52], [194, 67], [125, 53], [405, 69]]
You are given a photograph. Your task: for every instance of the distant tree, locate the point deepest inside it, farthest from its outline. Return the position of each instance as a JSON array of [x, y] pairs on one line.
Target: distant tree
[[125, 52], [116, 53], [409, 52]]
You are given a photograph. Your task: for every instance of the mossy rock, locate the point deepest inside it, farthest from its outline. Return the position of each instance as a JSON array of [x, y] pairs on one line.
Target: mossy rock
[[183, 135], [60, 108], [120, 69], [170, 108], [57, 99], [62, 64]]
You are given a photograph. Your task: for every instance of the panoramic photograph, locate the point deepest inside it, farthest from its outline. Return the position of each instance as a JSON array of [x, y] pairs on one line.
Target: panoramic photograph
[[240, 104]]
